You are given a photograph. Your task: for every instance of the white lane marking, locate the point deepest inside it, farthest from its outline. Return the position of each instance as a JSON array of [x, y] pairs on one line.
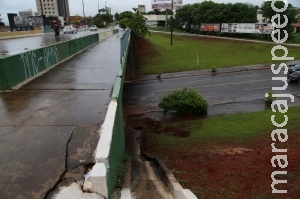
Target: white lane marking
[[252, 89], [248, 75], [199, 80], [206, 94]]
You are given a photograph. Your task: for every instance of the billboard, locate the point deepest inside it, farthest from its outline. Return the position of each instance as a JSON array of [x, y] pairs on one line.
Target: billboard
[[210, 27], [262, 28], [161, 4]]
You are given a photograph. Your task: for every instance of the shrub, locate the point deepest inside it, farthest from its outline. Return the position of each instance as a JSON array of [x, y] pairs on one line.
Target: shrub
[[269, 97], [184, 101]]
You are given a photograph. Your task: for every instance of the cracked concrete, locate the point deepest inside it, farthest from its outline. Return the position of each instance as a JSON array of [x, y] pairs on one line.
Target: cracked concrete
[[49, 128]]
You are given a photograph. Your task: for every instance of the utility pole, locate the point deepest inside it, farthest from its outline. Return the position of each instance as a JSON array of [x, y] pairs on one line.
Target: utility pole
[[172, 23], [83, 15], [42, 12]]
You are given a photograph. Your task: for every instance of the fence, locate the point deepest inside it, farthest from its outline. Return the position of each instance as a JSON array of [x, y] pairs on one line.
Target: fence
[[111, 146]]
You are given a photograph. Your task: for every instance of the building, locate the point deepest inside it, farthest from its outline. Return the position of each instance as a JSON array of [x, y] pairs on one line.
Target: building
[[27, 13], [142, 8], [156, 20], [53, 8], [260, 17]]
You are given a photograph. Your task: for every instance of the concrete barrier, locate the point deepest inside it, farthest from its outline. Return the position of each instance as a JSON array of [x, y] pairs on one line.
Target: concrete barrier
[[16, 34], [176, 189], [106, 34], [111, 146]]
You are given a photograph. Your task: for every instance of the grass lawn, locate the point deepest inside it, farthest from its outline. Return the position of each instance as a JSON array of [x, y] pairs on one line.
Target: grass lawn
[[160, 57], [237, 128], [227, 156]]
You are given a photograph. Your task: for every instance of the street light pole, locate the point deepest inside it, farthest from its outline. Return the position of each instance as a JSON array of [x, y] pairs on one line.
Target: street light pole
[[83, 15], [42, 12], [172, 23]]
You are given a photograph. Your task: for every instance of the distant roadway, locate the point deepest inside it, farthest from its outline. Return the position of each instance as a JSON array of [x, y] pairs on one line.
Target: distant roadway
[[18, 45], [226, 93]]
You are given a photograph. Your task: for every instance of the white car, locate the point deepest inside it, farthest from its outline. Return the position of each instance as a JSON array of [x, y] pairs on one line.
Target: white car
[[70, 29], [93, 28]]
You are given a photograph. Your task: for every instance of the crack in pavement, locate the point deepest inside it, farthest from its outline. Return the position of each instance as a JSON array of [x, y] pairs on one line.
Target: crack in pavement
[[66, 166], [44, 108]]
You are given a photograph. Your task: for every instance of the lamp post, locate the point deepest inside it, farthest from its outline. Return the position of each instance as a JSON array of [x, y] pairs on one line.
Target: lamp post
[[83, 15], [42, 12], [172, 23]]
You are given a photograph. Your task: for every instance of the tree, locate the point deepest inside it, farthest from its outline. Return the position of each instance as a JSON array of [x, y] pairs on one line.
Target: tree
[[290, 12], [126, 14], [102, 18], [211, 12], [184, 17], [117, 17], [137, 24], [122, 24], [135, 21]]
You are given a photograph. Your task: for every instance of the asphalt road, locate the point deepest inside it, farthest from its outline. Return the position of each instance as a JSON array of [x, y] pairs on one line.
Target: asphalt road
[[18, 45], [226, 93]]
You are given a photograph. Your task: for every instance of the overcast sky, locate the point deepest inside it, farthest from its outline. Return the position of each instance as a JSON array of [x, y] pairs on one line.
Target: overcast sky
[[91, 6]]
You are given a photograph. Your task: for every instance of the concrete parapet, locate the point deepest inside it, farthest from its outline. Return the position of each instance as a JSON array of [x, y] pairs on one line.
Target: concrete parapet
[[126, 194], [99, 179], [184, 194], [17, 34], [103, 148], [111, 146], [106, 34], [176, 189]]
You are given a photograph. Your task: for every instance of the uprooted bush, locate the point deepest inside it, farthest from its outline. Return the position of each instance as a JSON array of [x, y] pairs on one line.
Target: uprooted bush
[[184, 101]]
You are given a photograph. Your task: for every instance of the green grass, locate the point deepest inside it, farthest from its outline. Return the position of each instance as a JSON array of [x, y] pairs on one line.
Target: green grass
[[238, 128], [182, 55], [294, 39]]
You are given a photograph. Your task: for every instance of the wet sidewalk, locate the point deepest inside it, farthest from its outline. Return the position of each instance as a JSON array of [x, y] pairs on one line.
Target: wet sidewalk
[[49, 128]]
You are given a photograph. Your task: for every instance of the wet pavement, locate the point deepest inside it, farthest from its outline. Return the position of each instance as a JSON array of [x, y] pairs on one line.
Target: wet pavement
[[50, 126], [19, 45], [230, 90]]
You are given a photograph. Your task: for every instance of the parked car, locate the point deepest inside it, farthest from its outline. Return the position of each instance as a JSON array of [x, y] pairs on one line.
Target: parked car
[[294, 68], [294, 76], [70, 29], [93, 28]]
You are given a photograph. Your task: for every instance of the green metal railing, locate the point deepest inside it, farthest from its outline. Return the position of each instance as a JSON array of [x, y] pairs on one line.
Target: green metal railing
[[18, 68]]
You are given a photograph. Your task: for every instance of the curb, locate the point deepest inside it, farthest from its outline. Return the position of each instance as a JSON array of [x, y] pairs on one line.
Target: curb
[[177, 191], [126, 184], [208, 72]]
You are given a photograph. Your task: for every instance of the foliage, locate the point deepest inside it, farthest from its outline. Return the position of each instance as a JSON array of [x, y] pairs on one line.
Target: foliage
[[210, 12], [269, 97], [135, 21], [158, 12], [122, 24], [117, 17], [184, 101], [102, 18], [2, 24], [138, 25], [290, 12], [126, 14]]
